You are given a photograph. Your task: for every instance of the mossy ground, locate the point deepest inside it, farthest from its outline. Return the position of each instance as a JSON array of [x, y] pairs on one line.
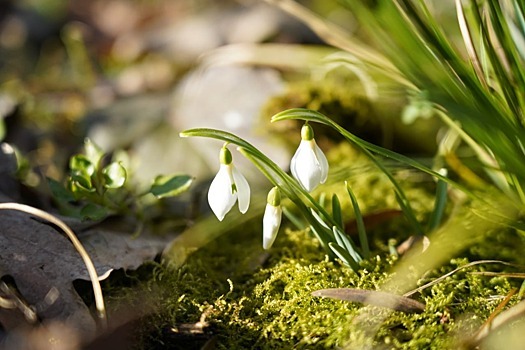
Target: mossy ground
[[255, 299]]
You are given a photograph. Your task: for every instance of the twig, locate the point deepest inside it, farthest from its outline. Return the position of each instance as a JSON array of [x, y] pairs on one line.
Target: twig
[[439, 279], [498, 319]]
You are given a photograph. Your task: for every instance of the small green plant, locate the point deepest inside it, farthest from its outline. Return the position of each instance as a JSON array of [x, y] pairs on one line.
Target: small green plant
[[476, 88], [97, 187], [309, 168]]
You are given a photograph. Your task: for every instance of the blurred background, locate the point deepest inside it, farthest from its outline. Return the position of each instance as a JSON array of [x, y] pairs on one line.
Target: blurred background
[[131, 74]]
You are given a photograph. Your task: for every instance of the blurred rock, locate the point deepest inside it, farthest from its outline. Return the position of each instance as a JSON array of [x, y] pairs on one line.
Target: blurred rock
[[126, 121], [229, 98]]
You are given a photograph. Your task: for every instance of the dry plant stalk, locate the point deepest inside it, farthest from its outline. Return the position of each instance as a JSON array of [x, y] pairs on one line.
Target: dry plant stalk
[[97, 290]]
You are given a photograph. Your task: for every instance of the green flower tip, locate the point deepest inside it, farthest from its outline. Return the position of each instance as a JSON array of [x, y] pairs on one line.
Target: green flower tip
[[225, 156], [274, 197], [307, 133]]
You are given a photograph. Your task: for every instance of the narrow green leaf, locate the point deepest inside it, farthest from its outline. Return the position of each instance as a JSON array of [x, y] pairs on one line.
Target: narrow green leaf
[[2, 129], [319, 219], [467, 39], [361, 230], [322, 199], [439, 205], [294, 219], [346, 243], [114, 175], [170, 185], [336, 211], [322, 237], [344, 256]]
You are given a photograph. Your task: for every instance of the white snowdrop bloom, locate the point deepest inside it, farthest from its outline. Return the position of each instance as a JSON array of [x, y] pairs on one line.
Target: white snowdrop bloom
[[228, 187], [272, 217], [309, 165]]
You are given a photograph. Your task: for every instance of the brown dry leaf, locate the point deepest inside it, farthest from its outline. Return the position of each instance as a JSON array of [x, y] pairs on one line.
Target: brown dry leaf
[[111, 250], [373, 297], [44, 264], [41, 260]]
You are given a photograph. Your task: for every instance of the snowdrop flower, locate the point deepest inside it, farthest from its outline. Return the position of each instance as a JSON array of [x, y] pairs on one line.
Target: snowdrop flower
[[228, 186], [309, 165], [272, 217]]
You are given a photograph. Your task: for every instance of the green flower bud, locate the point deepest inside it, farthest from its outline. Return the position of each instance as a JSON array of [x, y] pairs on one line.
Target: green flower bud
[[225, 156], [274, 197], [307, 132]]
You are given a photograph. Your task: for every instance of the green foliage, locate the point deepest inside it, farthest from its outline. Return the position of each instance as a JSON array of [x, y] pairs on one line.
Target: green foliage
[[114, 175], [482, 96], [95, 189], [168, 186]]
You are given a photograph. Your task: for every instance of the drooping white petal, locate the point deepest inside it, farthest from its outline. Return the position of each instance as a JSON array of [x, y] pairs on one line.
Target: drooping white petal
[[294, 163], [220, 195], [306, 166], [323, 162], [271, 223], [243, 190]]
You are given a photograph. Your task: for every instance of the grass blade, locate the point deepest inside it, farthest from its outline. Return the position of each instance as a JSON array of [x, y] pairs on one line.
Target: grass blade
[[439, 205], [342, 254], [361, 230], [346, 242], [336, 211]]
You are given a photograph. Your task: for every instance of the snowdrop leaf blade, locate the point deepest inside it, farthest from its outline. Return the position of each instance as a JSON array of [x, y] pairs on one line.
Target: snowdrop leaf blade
[[343, 255], [319, 220], [345, 242], [336, 211], [301, 114]]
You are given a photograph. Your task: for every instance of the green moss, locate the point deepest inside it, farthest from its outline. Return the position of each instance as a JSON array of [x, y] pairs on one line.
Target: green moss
[[263, 301], [256, 299]]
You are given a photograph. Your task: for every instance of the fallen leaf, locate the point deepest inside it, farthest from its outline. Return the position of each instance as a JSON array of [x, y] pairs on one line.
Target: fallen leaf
[[112, 250], [373, 297], [42, 262], [371, 220]]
